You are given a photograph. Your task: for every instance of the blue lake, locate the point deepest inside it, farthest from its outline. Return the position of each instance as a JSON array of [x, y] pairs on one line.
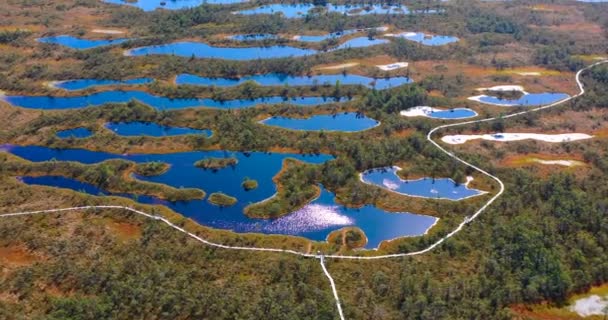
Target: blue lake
[[427, 40], [319, 38], [300, 10], [81, 84], [529, 99], [161, 103], [203, 50], [78, 43], [150, 5], [456, 113], [443, 188], [360, 42], [75, 133], [344, 122], [314, 221], [130, 129], [253, 37], [279, 79]]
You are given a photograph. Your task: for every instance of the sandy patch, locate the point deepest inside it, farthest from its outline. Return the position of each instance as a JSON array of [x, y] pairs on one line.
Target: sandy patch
[[107, 31], [392, 66], [528, 73], [425, 111], [504, 88], [340, 66], [593, 305], [565, 163], [553, 138]]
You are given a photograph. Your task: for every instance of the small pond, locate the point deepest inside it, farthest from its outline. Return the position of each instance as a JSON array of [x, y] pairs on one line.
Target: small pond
[[442, 188], [527, 99], [81, 84], [345, 122], [150, 5], [78, 43], [74, 133], [427, 40]]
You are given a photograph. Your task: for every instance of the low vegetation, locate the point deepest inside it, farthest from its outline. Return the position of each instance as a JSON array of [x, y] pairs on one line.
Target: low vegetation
[[249, 184], [216, 163], [222, 199]]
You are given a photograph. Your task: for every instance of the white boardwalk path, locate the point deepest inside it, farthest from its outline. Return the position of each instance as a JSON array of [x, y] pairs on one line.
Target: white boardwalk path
[[322, 257]]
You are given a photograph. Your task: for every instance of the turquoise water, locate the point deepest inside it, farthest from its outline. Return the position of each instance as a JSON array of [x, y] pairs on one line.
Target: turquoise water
[[158, 102], [130, 129], [529, 99], [441, 188], [344, 122], [300, 10], [74, 133], [314, 221], [150, 5], [279, 79], [78, 43], [81, 84], [428, 40]]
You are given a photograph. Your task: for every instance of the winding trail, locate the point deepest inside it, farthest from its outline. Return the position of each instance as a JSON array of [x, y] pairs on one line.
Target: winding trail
[[322, 257]]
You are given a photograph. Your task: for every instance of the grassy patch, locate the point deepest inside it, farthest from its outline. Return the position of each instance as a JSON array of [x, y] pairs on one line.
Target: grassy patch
[[216, 163], [249, 184], [222, 199]]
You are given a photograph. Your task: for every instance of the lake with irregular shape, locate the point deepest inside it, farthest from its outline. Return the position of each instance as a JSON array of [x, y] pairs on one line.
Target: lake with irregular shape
[[158, 102], [441, 188], [203, 50], [150, 5], [74, 133], [528, 99], [300, 10], [427, 40], [314, 221], [280, 79], [344, 122], [81, 84], [79, 43], [130, 129]]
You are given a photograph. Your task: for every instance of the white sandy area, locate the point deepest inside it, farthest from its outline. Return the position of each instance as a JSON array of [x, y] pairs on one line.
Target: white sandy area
[[528, 73], [420, 111], [553, 138], [107, 31], [423, 111], [504, 88], [392, 66], [340, 66], [592, 305], [402, 34], [565, 163]]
